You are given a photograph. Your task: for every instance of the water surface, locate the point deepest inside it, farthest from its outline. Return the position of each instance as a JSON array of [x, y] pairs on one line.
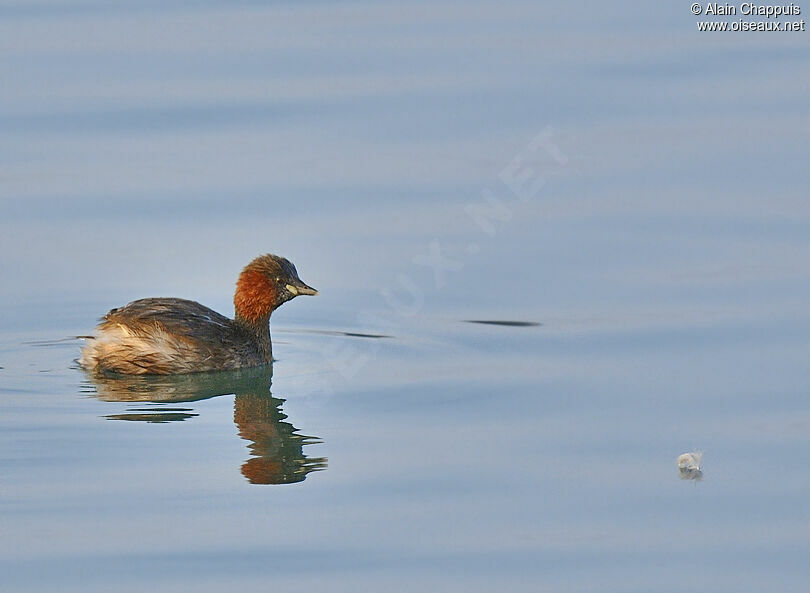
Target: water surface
[[493, 387]]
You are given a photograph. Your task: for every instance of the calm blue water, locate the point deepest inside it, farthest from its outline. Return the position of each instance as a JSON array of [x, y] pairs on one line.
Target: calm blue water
[[636, 188]]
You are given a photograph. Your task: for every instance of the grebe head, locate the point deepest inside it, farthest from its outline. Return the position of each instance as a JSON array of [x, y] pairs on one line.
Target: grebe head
[[266, 283]]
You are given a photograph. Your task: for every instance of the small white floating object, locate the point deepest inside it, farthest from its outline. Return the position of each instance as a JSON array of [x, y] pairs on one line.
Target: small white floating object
[[690, 460], [689, 465]]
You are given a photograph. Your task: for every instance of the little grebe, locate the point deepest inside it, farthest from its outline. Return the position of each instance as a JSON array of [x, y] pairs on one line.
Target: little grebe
[[167, 336]]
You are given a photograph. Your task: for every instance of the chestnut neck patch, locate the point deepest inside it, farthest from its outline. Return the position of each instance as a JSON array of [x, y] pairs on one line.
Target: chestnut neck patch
[[255, 297]]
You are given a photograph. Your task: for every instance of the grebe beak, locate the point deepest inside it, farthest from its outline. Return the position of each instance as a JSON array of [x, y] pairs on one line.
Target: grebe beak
[[301, 288]]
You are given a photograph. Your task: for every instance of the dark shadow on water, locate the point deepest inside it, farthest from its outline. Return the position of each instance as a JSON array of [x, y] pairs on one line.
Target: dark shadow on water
[[276, 446], [153, 416], [503, 323], [329, 332]]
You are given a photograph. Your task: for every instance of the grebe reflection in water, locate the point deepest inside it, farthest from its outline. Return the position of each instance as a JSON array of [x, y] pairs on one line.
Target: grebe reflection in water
[[276, 446]]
